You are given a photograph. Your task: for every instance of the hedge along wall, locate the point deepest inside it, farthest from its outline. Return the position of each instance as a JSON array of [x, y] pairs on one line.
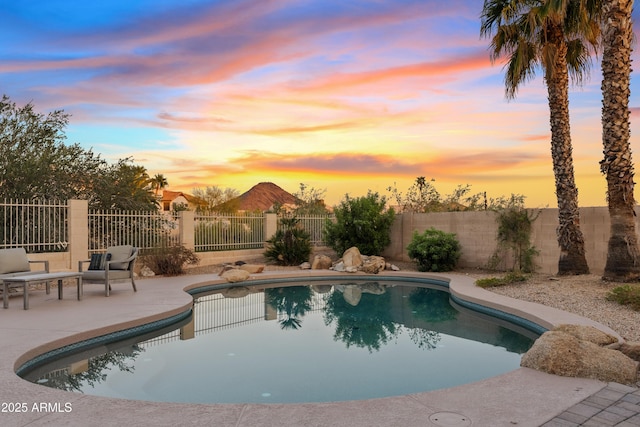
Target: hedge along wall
[[477, 232]]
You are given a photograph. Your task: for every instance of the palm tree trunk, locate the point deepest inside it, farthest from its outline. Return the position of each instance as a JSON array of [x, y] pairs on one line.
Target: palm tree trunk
[[623, 255], [570, 239]]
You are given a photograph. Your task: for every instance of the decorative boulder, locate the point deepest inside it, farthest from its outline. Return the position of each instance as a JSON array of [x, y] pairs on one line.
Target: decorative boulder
[[252, 268], [146, 272], [560, 353], [392, 267], [321, 262], [352, 258], [235, 275], [587, 333], [631, 350], [226, 267], [305, 266], [338, 266], [373, 264]]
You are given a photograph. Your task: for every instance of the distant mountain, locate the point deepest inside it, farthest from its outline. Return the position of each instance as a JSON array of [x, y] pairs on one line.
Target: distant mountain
[[262, 197]]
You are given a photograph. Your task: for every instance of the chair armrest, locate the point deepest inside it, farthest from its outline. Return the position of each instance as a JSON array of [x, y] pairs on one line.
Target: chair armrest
[[46, 264], [83, 261]]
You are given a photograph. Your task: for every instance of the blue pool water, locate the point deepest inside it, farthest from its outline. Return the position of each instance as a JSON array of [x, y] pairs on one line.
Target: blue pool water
[[328, 341]]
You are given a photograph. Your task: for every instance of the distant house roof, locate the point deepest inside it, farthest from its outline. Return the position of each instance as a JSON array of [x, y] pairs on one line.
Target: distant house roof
[[168, 197]]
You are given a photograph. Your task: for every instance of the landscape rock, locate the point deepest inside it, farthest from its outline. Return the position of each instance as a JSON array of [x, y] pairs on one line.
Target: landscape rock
[[587, 333], [353, 261], [392, 267], [338, 266], [352, 258], [235, 275], [373, 264], [146, 272], [226, 267], [305, 266], [321, 262], [561, 353], [631, 350], [252, 268]]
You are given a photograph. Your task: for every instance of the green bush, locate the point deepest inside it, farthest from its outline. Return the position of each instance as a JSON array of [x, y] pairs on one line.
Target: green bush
[[507, 279], [169, 260], [291, 245], [363, 222], [434, 250], [626, 295], [515, 226]]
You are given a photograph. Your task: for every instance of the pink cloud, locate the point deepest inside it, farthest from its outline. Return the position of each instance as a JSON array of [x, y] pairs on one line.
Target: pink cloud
[[192, 119], [214, 43], [443, 165], [443, 70]]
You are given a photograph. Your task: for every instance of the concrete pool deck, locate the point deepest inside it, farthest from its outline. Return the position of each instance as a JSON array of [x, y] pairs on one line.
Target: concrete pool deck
[[523, 397]]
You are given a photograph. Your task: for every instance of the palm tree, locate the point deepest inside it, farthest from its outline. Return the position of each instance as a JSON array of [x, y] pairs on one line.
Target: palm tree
[[556, 35], [158, 182], [623, 253]]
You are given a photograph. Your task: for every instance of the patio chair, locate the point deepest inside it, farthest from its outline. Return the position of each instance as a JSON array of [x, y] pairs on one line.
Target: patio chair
[[116, 265], [14, 262]]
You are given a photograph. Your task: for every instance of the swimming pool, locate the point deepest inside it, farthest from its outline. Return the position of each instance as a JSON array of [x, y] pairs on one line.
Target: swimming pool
[[304, 342]]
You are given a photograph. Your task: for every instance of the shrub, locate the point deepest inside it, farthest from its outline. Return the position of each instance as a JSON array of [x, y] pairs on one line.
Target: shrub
[[514, 237], [507, 279], [363, 222], [626, 295], [291, 245], [169, 260], [434, 250]]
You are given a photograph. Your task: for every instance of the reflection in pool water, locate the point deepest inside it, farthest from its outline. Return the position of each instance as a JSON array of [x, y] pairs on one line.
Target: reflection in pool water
[[298, 343]]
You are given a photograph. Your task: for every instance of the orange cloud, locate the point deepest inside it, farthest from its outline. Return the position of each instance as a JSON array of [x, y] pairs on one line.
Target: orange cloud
[[349, 164], [444, 70]]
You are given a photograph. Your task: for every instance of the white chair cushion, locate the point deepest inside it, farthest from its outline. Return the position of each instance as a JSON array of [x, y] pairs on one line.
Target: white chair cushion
[[119, 253], [13, 260]]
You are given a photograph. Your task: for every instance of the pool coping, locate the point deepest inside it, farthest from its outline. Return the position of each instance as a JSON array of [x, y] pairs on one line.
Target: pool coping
[[50, 324]]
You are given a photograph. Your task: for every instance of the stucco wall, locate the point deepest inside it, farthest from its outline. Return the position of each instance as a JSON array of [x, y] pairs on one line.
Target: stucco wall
[[477, 231]]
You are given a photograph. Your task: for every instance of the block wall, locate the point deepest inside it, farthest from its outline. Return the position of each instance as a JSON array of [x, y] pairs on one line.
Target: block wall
[[477, 232]]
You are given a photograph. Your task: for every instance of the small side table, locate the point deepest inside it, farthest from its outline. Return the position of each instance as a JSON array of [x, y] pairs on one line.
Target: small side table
[[31, 279]]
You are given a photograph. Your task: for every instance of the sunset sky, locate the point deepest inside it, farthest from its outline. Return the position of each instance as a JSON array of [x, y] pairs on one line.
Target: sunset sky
[[340, 95]]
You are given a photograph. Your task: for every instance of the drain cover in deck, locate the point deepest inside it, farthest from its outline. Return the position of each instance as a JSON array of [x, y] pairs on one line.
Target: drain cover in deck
[[449, 419]]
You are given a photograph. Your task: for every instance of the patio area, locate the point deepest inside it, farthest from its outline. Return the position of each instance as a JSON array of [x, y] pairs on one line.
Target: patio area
[[523, 397]]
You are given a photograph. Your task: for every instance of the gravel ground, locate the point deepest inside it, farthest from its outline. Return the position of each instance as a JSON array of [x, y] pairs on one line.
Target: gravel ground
[[584, 295]]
